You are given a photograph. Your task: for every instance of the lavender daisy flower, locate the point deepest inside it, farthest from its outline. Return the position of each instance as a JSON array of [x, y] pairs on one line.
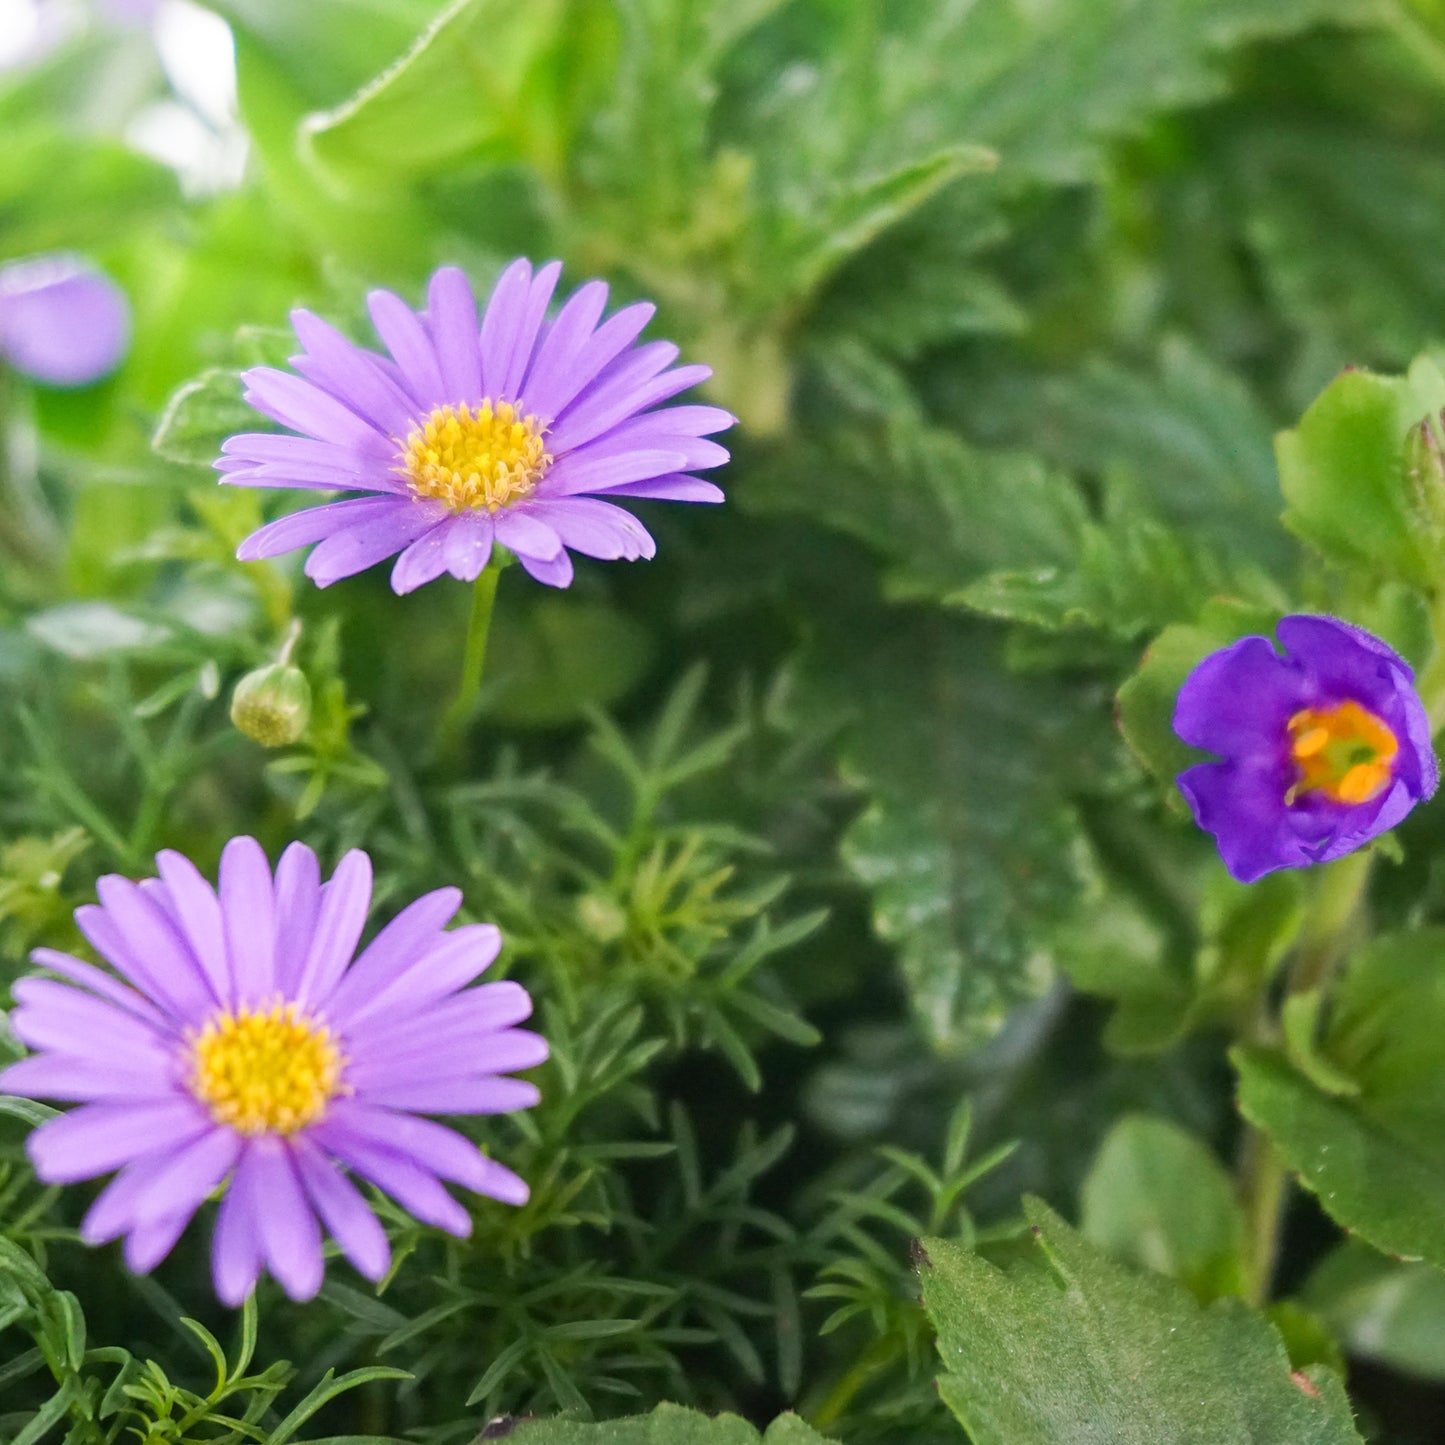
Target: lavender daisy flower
[[62, 322], [1323, 747], [525, 433], [245, 1048]]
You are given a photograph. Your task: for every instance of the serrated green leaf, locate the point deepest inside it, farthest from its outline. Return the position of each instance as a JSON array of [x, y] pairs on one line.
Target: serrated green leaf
[[666, 1425], [1157, 1198], [1374, 1158], [1069, 1347], [969, 845], [1344, 476]]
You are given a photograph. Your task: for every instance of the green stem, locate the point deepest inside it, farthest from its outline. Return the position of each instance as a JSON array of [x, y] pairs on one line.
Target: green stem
[[877, 1356], [1263, 1183], [456, 717]]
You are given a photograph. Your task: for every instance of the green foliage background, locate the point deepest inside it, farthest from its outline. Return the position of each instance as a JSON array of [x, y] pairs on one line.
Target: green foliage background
[[852, 917]]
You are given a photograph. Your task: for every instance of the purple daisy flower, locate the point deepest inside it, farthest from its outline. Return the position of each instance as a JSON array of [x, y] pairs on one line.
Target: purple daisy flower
[[1323, 747], [524, 432], [62, 322], [245, 1045]]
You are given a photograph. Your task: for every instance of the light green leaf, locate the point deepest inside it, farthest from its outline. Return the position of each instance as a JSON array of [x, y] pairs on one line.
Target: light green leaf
[[1068, 1347], [1344, 476], [666, 1425], [1382, 1309], [1157, 1198], [87, 630]]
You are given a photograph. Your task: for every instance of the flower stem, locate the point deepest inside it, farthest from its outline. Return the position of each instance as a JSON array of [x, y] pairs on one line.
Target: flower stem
[[1263, 1183], [456, 717]]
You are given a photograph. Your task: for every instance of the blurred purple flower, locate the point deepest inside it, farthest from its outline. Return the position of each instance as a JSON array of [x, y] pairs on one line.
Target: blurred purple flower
[[525, 432], [1323, 747], [62, 322], [246, 1048]]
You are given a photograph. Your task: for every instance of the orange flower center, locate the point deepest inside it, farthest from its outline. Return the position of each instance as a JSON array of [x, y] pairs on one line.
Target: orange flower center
[[1344, 752], [490, 456]]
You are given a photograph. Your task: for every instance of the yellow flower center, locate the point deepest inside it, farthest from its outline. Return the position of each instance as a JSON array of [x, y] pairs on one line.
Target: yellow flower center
[[1344, 752], [265, 1070], [490, 457]]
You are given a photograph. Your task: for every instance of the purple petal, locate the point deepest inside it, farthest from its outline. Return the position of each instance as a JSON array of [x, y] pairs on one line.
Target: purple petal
[[495, 1053], [556, 573], [78, 1080], [469, 545], [413, 933], [423, 561], [631, 386], [406, 338], [344, 903], [452, 319], [527, 536], [505, 360], [97, 1138], [316, 479], [172, 1184], [296, 403], [301, 529], [62, 322], [343, 1211], [198, 911], [352, 375], [674, 488], [581, 472], [462, 1017], [452, 963], [552, 385], [101, 983], [414, 1188], [59, 1016], [248, 905], [594, 528], [359, 469], [485, 1095], [1239, 701], [364, 545], [135, 935], [236, 1247], [575, 323], [149, 1243], [290, 1236], [432, 1146], [298, 902]]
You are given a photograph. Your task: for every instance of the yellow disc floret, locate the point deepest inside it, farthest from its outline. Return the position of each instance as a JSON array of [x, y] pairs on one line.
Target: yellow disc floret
[[269, 1070], [1344, 752], [488, 457]]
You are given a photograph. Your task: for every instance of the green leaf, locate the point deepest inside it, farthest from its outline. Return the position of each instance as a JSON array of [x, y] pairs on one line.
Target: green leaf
[[1157, 1198], [939, 511], [666, 1425], [201, 415], [1132, 575], [85, 631], [1382, 1309], [969, 844], [470, 88], [1382, 1043], [1148, 698], [1344, 476], [1067, 1347]]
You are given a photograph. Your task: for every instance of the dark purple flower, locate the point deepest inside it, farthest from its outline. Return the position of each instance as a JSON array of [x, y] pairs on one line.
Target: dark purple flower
[[524, 431], [1322, 747], [242, 1046], [62, 322]]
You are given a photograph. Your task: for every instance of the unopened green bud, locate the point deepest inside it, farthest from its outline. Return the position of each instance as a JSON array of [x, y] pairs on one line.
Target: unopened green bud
[[602, 917], [272, 705], [1425, 473]]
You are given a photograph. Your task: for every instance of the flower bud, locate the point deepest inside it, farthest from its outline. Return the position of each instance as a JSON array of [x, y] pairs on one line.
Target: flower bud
[[1425, 474], [272, 705]]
